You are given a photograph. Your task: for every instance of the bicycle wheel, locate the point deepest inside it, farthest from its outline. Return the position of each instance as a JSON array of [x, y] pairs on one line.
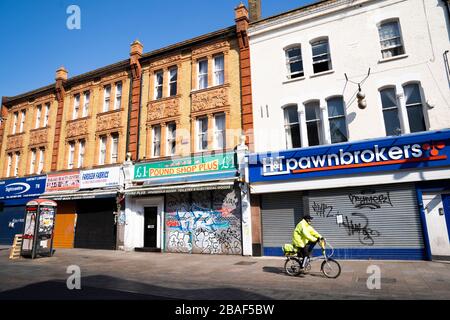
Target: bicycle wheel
[[292, 267], [330, 268]]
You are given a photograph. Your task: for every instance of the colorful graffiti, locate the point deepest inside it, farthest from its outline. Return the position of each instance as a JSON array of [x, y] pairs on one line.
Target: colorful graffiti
[[204, 222]]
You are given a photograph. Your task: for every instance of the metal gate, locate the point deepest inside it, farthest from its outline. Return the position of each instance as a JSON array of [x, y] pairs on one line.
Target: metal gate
[[280, 212], [377, 221]]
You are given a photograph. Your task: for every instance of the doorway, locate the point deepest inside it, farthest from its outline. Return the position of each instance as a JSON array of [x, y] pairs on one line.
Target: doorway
[[437, 217], [150, 227]]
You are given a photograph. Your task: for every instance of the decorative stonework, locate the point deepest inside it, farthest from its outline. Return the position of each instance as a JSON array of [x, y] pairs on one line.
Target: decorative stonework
[[14, 142], [211, 99], [165, 61], [115, 76], [77, 128], [108, 121], [39, 136], [83, 86], [210, 48], [163, 109]]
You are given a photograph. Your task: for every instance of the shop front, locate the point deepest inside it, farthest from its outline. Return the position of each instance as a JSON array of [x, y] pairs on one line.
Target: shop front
[[87, 208], [375, 199], [190, 205], [14, 194]]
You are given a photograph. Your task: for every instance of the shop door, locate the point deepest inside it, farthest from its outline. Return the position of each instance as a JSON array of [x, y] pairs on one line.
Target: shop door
[[11, 223], [64, 225], [437, 227], [150, 227], [95, 226]]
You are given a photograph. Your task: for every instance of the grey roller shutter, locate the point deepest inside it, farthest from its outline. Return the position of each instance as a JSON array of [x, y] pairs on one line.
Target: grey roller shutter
[[377, 217], [280, 212]]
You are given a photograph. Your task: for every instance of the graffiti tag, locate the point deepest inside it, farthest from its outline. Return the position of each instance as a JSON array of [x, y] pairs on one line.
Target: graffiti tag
[[366, 234], [370, 199]]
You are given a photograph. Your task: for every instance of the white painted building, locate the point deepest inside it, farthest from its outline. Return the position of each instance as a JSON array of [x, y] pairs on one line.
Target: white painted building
[[355, 44], [307, 67]]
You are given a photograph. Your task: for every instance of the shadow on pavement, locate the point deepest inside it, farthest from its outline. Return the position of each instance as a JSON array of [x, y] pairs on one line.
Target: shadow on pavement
[[112, 288]]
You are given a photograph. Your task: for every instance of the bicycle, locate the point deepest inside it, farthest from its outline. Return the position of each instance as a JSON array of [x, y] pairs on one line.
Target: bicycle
[[329, 267]]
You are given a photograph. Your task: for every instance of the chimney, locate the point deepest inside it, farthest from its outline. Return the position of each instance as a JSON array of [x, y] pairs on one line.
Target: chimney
[[254, 7], [241, 18], [136, 48], [135, 54], [61, 74]]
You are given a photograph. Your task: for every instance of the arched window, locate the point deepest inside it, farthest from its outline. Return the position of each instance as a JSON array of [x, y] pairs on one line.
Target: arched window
[[389, 104], [390, 39], [292, 127], [294, 62], [321, 55], [314, 123], [336, 118], [414, 107]]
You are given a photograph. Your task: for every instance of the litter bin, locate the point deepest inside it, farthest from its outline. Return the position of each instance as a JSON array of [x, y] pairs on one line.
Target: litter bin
[[38, 230]]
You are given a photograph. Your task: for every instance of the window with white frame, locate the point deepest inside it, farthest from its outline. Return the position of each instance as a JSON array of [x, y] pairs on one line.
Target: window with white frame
[[106, 98], [219, 70], [81, 148], [71, 155], [156, 148], [114, 148], [159, 83], [16, 164], [102, 150], [292, 127], [390, 39], [202, 133], [321, 56], [38, 116], [173, 79], [32, 161], [414, 107], [118, 99], [46, 114], [389, 104], [76, 106], [219, 131], [314, 123], [22, 121], [202, 74], [336, 118], [87, 98], [15, 121], [171, 139], [41, 160], [8, 168], [294, 62]]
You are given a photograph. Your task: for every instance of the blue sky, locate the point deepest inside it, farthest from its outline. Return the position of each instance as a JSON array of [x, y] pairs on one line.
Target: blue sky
[[35, 40]]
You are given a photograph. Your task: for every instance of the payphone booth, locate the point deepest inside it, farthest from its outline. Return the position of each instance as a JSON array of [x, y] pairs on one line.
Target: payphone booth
[[38, 230]]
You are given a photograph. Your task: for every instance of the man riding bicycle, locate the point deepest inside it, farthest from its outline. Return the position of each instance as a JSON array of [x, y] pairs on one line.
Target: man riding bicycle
[[304, 234]]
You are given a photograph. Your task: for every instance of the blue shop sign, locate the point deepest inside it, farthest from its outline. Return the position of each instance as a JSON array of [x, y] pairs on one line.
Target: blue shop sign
[[414, 151], [22, 187]]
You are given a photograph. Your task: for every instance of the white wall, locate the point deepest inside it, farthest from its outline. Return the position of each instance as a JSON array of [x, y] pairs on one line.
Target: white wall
[[354, 45]]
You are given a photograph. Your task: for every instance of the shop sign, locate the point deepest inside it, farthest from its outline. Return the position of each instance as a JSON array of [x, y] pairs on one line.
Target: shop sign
[[100, 178], [191, 166], [63, 181], [22, 187], [415, 151]]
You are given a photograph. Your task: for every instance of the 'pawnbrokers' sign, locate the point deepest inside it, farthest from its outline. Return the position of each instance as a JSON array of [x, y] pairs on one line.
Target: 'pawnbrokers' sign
[[414, 151], [219, 163]]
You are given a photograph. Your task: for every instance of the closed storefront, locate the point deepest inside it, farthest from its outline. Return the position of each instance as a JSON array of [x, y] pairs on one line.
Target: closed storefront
[[64, 231], [95, 226], [380, 199], [280, 212], [11, 222]]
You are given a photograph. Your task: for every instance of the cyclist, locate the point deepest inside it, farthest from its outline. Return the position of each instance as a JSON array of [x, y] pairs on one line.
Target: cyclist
[[305, 238]]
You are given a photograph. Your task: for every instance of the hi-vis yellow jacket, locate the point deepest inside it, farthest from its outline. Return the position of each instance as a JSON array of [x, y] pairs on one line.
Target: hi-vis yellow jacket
[[303, 234]]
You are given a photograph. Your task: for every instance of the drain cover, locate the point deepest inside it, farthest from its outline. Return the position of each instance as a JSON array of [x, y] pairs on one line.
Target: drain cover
[[383, 280], [244, 263]]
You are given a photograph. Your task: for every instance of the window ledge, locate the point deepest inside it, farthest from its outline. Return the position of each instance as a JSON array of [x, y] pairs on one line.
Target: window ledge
[[294, 80], [323, 73], [402, 56]]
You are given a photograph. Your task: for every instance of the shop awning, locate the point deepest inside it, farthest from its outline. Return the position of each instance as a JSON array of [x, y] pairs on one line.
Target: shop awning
[[78, 195], [199, 186]]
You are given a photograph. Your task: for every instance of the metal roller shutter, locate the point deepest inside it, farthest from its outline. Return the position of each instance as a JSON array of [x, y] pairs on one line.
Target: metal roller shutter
[[280, 212], [379, 221]]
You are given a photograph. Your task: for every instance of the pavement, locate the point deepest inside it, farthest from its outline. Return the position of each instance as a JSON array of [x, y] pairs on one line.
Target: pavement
[[119, 275]]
